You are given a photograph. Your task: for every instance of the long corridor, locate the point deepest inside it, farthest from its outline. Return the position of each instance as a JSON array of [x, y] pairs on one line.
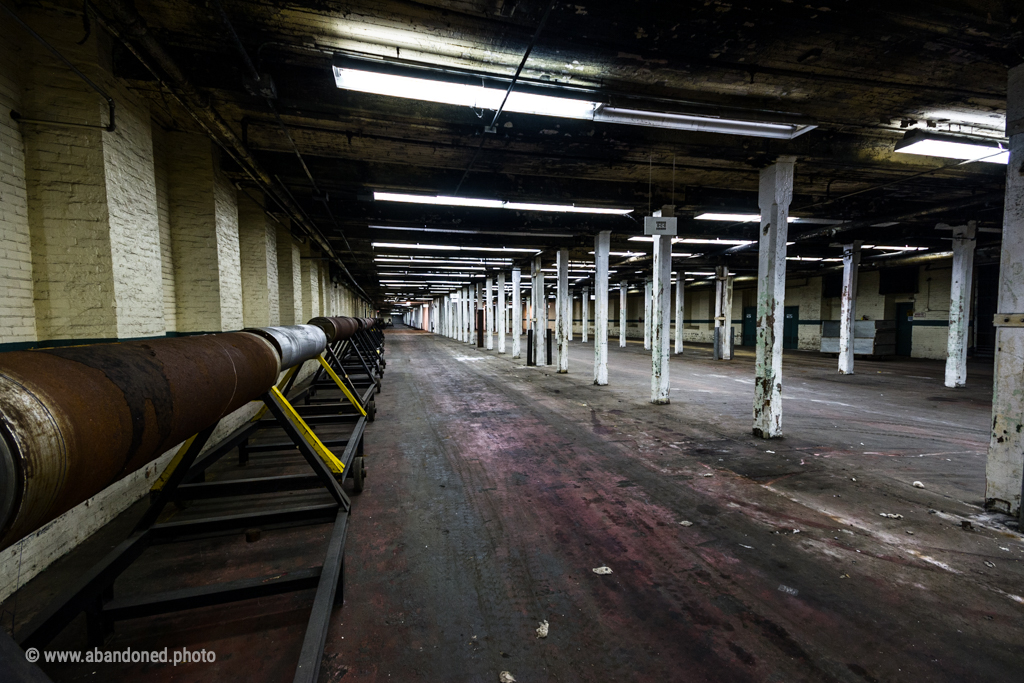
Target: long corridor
[[497, 489]]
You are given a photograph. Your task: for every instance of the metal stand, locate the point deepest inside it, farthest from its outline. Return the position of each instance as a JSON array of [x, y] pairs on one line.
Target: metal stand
[[93, 592]]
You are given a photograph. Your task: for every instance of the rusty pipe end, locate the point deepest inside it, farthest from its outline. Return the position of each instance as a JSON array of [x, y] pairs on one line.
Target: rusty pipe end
[[8, 483]]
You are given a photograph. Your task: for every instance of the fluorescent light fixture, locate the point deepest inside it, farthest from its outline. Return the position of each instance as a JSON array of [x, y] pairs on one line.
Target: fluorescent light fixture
[[448, 247], [692, 240], [468, 232], [479, 95], [950, 147], [441, 200]]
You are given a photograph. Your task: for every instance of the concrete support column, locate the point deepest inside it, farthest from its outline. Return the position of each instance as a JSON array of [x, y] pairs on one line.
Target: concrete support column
[[310, 284], [517, 311], [489, 315], [502, 313], [723, 312], [848, 307], [680, 285], [775, 192], [570, 308], [460, 314], [474, 298], [661, 295], [540, 311], [1006, 447], [648, 312], [563, 313], [585, 311], [960, 304], [602, 242], [623, 300]]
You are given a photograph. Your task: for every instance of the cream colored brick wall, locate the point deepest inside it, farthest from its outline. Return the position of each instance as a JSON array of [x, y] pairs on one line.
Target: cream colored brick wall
[[134, 224], [310, 284], [204, 237], [806, 293], [258, 244], [289, 277], [229, 258], [17, 309], [163, 214]]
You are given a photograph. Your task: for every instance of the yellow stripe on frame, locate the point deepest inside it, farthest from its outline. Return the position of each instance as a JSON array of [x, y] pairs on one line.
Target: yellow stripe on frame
[[307, 434], [341, 385]]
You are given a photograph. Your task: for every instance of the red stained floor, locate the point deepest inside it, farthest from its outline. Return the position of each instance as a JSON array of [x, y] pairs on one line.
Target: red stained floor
[[495, 489]]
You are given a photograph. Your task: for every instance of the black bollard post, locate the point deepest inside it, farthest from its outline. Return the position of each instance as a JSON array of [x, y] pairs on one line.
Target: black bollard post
[[548, 344], [530, 360]]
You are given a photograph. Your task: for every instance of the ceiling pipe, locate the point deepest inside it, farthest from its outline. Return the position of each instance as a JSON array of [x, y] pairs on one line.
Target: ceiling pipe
[[132, 29]]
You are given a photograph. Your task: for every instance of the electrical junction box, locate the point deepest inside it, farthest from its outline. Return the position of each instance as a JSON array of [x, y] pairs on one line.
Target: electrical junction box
[[656, 225]]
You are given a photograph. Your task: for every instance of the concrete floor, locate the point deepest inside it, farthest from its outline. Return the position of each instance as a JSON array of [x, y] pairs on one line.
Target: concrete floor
[[495, 489]]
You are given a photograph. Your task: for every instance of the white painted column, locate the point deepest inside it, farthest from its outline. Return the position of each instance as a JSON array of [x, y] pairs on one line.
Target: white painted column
[[775, 193], [502, 313], [468, 317], [517, 311], [960, 304], [848, 307], [540, 311], [585, 311], [1006, 448], [661, 293], [489, 314], [602, 242], [446, 312], [723, 311], [680, 284], [648, 312], [563, 313], [474, 292], [570, 305], [623, 296]]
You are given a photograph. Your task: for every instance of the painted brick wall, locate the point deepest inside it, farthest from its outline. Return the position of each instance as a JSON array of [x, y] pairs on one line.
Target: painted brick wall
[[310, 284], [17, 309], [258, 244], [204, 237], [66, 187], [229, 259], [289, 277], [163, 215], [807, 295]]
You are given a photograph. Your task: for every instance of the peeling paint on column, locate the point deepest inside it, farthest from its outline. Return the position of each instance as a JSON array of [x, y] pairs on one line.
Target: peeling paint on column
[[585, 311], [723, 311], [562, 314], [774, 195], [502, 313], [489, 314], [648, 291], [661, 290], [680, 286], [1005, 468], [517, 311], [540, 311], [623, 292], [601, 249], [848, 307], [960, 304]]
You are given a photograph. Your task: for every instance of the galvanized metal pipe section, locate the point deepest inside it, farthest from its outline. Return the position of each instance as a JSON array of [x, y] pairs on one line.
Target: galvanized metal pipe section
[[75, 420]]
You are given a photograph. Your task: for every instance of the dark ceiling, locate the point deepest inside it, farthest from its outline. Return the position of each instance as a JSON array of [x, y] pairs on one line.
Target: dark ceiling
[[865, 71]]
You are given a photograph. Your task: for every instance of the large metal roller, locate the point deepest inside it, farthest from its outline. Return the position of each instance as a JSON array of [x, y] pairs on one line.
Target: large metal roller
[[75, 420], [294, 343]]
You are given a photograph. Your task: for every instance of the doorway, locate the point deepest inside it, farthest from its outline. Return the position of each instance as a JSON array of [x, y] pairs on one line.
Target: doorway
[[749, 326], [791, 327], [904, 328]]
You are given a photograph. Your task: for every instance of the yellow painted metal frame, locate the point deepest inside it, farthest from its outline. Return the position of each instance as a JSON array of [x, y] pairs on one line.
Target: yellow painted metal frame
[[341, 385], [310, 437], [158, 485]]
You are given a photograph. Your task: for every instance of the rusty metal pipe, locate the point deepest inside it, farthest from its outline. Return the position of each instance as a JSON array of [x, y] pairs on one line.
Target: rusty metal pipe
[[75, 420]]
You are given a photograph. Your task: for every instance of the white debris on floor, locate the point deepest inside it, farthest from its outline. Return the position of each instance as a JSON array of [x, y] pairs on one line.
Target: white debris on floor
[[542, 629], [686, 522], [918, 485], [890, 515], [506, 677], [602, 570]]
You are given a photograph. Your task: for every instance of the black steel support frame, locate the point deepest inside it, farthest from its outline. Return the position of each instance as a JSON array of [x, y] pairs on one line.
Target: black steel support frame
[[92, 593]]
